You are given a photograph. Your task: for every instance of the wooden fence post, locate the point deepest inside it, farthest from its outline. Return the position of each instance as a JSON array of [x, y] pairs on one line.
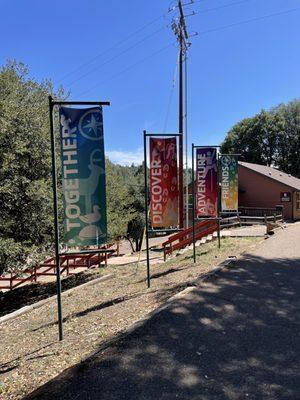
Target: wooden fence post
[[118, 247]]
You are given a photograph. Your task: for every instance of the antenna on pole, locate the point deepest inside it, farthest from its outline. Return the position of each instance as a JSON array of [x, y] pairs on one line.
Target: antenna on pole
[[180, 30]]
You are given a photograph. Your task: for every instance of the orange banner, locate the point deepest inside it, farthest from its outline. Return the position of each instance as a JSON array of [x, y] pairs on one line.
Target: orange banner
[[163, 183]]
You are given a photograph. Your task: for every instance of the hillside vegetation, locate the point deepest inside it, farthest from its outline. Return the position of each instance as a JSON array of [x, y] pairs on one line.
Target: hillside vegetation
[[26, 218], [269, 138]]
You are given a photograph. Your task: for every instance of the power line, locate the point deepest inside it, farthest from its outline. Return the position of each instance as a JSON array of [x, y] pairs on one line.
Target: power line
[[203, 1], [90, 61], [128, 68], [115, 57], [180, 29], [235, 3], [247, 21], [213, 8], [171, 95], [156, 19]]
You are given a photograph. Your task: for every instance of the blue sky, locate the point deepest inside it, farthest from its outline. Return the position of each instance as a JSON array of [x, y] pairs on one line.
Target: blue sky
[[125, 52]]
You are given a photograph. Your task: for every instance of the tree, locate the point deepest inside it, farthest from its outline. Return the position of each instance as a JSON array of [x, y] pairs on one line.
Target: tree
[[125, 202], [119, 210], [270, 138], [289, 139], [26, 218], [136, 225], [25, 163]]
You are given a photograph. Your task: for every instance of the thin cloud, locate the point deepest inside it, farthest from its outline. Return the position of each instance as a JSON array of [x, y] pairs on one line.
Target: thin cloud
[[126, 157]]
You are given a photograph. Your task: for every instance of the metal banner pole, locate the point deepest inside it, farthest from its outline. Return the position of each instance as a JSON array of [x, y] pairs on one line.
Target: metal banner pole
[[146, 209], [56, 226], [193, 197], [219, 200], [180, 131]]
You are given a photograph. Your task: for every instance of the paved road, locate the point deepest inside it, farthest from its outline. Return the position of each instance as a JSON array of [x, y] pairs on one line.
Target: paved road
[[234, 337]]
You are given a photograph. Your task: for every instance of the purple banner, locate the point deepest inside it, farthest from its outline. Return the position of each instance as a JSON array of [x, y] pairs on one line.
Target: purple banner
[[206, 182]]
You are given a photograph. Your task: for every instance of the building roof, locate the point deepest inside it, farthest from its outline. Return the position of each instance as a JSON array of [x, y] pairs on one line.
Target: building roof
[[273, 173]]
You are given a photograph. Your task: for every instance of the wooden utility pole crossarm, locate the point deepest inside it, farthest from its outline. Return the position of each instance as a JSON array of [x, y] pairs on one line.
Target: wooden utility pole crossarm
[[182, 20]]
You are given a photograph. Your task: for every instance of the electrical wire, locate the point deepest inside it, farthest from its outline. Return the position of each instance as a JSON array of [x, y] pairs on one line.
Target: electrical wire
[[192, 2], [75, 81], [171, 94], [200, 33], [128, 68], [199, 1], [249, 21], [91, 60], [235, 3]]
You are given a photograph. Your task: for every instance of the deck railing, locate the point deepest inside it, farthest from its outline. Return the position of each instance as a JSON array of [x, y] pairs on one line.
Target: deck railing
[[255, 215], [245, 216], [48, 268], [260, 211], [185, 237]]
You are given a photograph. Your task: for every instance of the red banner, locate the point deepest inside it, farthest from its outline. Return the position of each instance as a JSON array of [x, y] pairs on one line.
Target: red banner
[[163, 183], [206, 182]]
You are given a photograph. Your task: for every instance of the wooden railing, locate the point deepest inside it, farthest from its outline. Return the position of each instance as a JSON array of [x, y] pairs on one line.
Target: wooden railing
[[260, 216], [260, 211], [230, 221], [48, 268], [185, 237], [253, 216], [245, 216]]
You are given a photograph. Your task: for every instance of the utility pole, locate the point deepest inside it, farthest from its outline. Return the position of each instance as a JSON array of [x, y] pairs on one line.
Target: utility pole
[[182, 36]]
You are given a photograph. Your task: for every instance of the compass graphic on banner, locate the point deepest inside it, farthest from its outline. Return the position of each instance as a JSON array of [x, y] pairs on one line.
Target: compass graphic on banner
[[91, 125]]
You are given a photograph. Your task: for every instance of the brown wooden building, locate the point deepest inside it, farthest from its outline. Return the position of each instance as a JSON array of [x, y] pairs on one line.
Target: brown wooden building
[[267, 187]]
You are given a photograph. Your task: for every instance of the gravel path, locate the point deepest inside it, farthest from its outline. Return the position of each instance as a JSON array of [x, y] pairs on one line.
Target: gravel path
[[234, 337]]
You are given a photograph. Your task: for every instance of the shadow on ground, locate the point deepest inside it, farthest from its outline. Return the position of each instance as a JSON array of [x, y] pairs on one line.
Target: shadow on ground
[[235, 337], [34, 292], [14, 363]]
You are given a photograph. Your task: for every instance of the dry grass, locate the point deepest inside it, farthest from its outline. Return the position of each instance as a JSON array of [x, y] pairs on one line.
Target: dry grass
[[30, 353]]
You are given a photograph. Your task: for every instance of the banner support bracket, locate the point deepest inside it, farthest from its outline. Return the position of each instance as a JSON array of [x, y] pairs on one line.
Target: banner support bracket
[[80, 103]]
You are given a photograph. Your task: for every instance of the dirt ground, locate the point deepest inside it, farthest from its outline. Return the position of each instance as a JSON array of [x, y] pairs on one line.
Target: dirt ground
[[30, 353], [29, 293]]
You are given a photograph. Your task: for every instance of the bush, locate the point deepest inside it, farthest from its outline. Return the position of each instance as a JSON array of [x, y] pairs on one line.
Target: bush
[[12, 255]]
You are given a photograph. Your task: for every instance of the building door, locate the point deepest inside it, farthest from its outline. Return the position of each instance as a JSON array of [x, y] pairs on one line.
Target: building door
[[296, 202]]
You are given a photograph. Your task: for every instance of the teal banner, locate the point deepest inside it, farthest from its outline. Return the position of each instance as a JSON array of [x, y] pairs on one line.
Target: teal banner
[[83, 176]]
